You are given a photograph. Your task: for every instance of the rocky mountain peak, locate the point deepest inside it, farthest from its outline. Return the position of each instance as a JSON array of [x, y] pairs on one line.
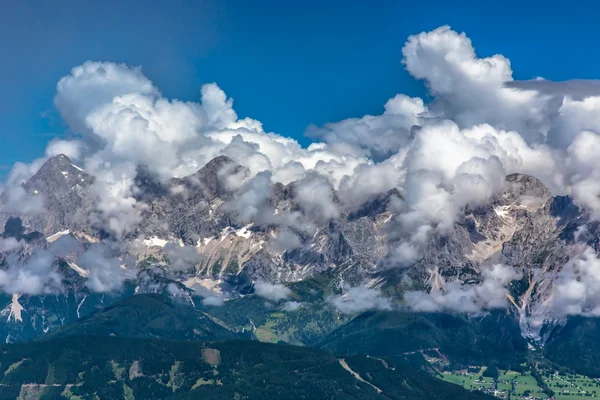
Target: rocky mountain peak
[[376, 205], [217, 163], [216, 179], [64, 189], [523, 188], [57, 174]]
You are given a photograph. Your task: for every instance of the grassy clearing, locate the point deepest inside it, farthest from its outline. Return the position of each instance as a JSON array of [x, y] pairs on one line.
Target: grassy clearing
[[519, 385], [266, 333], [470, 381], [572, 386]]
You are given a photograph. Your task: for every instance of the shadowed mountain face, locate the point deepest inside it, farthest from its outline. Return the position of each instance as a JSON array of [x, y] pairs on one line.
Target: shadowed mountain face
[[112, 368], [399, 336], [150, 316]]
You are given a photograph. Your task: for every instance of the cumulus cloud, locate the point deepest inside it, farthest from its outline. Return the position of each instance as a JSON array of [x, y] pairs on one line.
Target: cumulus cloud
[[94, 84], [468, 89], [447, 169], [272, 291], [10, 244], [443, 155], [577, 286], [377, 137], [315, 195], [70, 148], [182, 258], [14, 199], [37, 271], [125, 122], [286, 240], [584, 172], [18, 201], [34, 275], [105, 273], [359, 299], [251, 204], [491, 293], [211, 296], [214, 301], [472, 90]]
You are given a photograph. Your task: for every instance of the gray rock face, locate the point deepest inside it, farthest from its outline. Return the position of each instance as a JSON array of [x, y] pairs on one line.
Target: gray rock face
[[63, 188], [185, 208], [523, 226]]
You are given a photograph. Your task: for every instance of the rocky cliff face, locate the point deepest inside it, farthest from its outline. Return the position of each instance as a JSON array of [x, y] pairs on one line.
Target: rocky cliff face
[[523, 226], [63, 188]]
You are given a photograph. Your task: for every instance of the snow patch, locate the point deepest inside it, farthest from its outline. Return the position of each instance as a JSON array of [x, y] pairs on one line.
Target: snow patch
[[155, 241], [82, 272], [502, 211], [242, 232], [204, 241], [79, 306], [76, 167], [56, 236], [15, 309]]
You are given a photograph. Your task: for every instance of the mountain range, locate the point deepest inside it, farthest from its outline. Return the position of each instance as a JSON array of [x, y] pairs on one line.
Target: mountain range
[[203, 265]]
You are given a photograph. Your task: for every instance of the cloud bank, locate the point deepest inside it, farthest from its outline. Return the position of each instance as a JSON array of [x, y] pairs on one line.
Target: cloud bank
[[442, 155], [491, 293]]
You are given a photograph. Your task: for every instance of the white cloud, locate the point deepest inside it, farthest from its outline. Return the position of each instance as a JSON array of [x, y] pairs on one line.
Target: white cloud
[[14, 199], [214, 301], [359, 299], [491, 293], [315, 195], [182, 258], [70, 148], [251, 204], [34, 275], [444, 155], [378, 136], [10, 244], [105, 271], [18, 201], [286, 240], [577, 286], [94, 84], [291, 306], [272, 291]]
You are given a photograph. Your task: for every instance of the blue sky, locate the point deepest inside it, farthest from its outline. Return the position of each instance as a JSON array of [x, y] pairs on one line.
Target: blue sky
[[287, 64]]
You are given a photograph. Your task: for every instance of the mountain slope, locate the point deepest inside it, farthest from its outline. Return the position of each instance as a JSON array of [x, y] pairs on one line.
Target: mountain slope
[[116, 368], [398, 335], [190, 232], [575, 346], [148, 315]]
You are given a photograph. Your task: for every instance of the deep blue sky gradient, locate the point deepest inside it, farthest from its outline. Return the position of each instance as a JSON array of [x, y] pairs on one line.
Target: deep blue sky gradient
[[287, 63]]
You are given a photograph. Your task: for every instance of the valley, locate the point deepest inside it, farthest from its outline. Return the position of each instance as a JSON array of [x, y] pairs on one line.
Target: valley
[[154, 345], [522, 385]]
